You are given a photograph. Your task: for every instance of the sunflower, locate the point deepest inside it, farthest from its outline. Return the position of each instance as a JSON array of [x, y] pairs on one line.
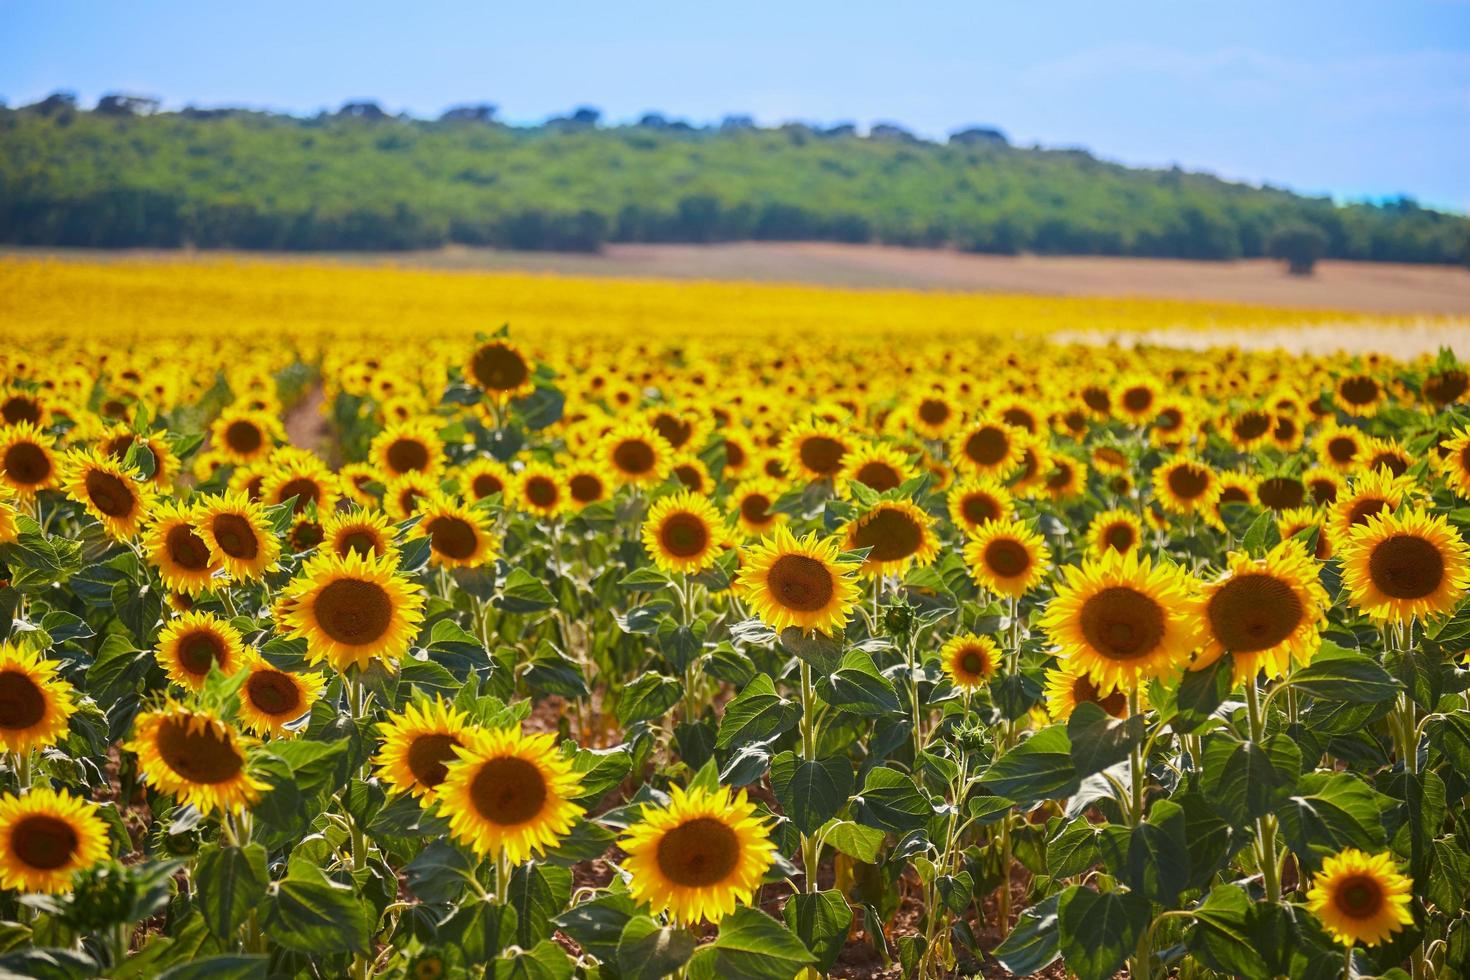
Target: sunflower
[[352, 610], [1455, 463], [682, 532], [970, 660], [367, 532], [987, 448], [1109, 459], [9, 529], [27, 463], [752, 502], [699, 856], [177, 550], [1097, 401], [193, 644], [1339, 447], [1324, 485], [46, 836], [635, 453], [1067, 686], [1122, 619], [692, 474], [1007, 558], [36, 704], [1138, 399], [239, 537], [500, 369], [109, 493], [977, 500], [271, 698], [18, 405], [818, 450], [1281, 492], [248, 480], [1445, 387], [509, 794], [120, 439], [195, 757], [540, 489], [1065, 479], [1266, 612], [404, 495], [1406, 564], [1293, 522], [408, 447], [1173, 424], [1370, 495], [459, 536], [485, 477], [244, 435], [899, 535], [354, 479], [1360, 394], [790, 582], [1114, 530], [739, 452], [1184, 485], [300, 474], [933, 415], [418, 745], [879, 466], [1361, 897], [586, 485]]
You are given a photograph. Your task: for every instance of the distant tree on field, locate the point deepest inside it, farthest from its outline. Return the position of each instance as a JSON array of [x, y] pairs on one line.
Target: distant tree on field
[[1300, 245], [480, 112], [734, 123], [54, 104], [979, 136], [122, 104], [891, 132], [362, 110]]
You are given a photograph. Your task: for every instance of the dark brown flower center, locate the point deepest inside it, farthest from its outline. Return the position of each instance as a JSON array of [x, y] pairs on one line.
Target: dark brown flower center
[[1359, 390], [933, 411], [19, 408], [979, 508], [508, 791], [1406, 566], [1360, 897], [200, 756], [485, 484], [186, 549], [365, 543], [1097, 399], [987, 445], [244, 437], [1282, 492], [273, 693], [44, 842], [427, 756], [1364, 508], [892, 534], [683, 535], [1446, 386], [542, 491], [199, 651], [974, 663], [1254, 612], [453, 537], [408, 455], [498, 368], [674, 430], [801, 583], [22, 702], [110, 494], [1342, 449], [1085, 692], [27, 463], [1138, 399], [354, 612], [698, 852], [1007, 558], [304, 489], [1121, 623], [822, 454], [634, 457], [1252, 425], [1188, 482], [585, 488], [879, 476], [1120, 537], [236, 536], [755, 508]]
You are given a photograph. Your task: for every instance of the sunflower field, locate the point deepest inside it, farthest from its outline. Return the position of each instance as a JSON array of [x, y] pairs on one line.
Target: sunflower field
[[627, 643]]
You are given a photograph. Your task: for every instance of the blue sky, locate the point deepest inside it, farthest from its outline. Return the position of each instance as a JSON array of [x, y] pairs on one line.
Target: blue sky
[[1350, 98]]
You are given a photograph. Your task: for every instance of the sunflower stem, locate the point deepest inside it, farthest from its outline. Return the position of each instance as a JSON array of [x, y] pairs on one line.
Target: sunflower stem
[[1265, 824], [1136, 764], [811, 849]]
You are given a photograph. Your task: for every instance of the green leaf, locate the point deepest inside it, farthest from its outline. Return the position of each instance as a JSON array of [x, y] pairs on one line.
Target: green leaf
[[1073, 850], [647, 698], [853, 839], [309, 913], [1158, 855], [1330, 811], [1240, 937], [438, 872], [1338, 674], [230, 881], [522, 592], [857, 687], [648, 951], [1040, 768], [756, 714], [227, 966], [890, 800], [645, 579], [1099, 930], [538, 892], [597, 924], [820, 920], [1201, 693], [811, 792], [544, 961], [1246, 780], [821, 651], [751, 946], [1099, 740], [1035, 942]]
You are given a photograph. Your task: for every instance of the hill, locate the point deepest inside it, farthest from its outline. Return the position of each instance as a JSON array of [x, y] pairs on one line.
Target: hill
[[359, 179]]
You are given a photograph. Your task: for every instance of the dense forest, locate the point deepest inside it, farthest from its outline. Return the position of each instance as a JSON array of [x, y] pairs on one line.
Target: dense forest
[[124, 174]]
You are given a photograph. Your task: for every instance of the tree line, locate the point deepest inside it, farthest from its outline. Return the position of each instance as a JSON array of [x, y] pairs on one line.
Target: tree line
[[125, 174]]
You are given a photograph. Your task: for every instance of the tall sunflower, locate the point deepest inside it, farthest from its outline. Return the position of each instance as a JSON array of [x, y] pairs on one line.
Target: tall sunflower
[[987, 447], [239, 537], [976, 500], [1455, 463], [418, 745], [500, 369], [586, 484], [540, 489], [1267, 613], [1406, 564], [484, 477], [699, 856], [1371, 495], [367, 532], [246, 435], [36, 704], [970, 660], [1340, 447], [752, 500], [1361, 897], [195, 757], [509, 794], [1122, 619], [404, 495], [27, 460], [459, 536], [879, 466], [196, 642], [271, 698], [108, 492], [1008, 558], [1068, 685], [899, 534], [1184, 485], [818, 450], [682, 532], [790, 582], [299, 474], [1114, 530], [46, 836], [408, 447], [1360, 394], [177, 550], [634, 453], [352, 610]]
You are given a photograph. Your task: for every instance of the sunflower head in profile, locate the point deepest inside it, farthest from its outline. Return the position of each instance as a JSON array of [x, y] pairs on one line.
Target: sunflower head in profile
[[459, 536], [880, 466], [586, 484], [109, 493], [898, 535], [634, 453], [352, 610], [418, 745], [195, 757], [818, 449], [970, 660], [1008, 558], [271, 698], [682, 532], [299, 474], [1454, 464], [240, 537], [1114, 530], [1067, 686], [988, 447], [977, 500], [1122, 619], [46, 836], [36, 704], [193, 644], [1361, 897], [1266, 612], [499, 368], [1406, 564], [404, 495], [1371, 495], [28, 462], [244, 435], [1185, 485], [1109, 458], [508, 794], [699, 856], [540, 489], [802, 583], [408, 447], [367, 532], [1360, 394], [1339, 447], [174, 546]]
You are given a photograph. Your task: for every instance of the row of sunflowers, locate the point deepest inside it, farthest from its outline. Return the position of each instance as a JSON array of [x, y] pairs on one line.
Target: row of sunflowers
[[634, 659]]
